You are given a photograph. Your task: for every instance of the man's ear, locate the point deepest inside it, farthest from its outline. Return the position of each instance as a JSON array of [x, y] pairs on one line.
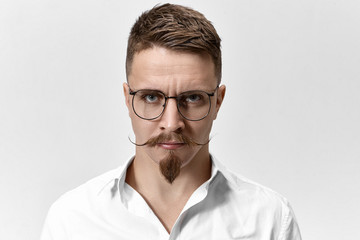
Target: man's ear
[[127, 96], [219, 98]]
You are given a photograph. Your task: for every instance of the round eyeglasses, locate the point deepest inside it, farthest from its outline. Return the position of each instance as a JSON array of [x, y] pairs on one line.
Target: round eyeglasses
[[192, 105]]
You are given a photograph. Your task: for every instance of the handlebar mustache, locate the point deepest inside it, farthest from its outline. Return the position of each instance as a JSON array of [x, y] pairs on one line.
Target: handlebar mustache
[[163, 137]]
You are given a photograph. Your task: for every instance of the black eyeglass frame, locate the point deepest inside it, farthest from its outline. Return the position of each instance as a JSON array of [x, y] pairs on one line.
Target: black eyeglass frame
[[173, 97]]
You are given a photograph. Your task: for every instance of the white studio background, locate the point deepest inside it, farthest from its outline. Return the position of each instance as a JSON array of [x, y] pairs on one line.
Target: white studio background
[[290, 119]]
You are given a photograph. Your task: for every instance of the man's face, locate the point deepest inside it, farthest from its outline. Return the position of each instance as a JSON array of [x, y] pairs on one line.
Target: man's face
[[172, 73]]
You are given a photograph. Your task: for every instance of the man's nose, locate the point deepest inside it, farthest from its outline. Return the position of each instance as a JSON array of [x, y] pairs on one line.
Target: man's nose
[[171, 120]]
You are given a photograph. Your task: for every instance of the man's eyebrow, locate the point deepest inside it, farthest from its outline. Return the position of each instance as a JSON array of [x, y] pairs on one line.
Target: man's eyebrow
[[146, 89]]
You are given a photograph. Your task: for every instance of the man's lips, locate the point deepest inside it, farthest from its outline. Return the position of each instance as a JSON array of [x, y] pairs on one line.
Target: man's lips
[[171, 145]]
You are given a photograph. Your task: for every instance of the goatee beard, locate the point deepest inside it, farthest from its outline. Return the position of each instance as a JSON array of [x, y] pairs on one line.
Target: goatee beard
[[170, 167]]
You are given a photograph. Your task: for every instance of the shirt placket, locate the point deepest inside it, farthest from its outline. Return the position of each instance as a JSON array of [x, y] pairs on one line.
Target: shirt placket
[[198, 196]]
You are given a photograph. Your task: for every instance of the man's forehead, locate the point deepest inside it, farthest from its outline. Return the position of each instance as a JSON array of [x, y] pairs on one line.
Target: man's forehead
[[158, 51], [162, 66]]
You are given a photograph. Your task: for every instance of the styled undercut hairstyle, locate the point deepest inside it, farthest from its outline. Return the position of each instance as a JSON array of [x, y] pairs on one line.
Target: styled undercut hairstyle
[[176, 28]]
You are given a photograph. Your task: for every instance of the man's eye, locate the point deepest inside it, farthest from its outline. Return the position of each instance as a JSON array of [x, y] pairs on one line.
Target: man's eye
[[193, 98], [150, 98]]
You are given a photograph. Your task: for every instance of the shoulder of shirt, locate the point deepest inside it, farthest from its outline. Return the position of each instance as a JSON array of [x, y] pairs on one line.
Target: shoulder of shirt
[[240, 184], [87, 193], [267, 203]]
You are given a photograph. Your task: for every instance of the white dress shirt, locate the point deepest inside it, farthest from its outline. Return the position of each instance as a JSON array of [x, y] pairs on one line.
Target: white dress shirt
[[227, 206]]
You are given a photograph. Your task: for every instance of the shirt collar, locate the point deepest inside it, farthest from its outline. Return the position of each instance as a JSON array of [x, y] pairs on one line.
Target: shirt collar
[[117, 180]]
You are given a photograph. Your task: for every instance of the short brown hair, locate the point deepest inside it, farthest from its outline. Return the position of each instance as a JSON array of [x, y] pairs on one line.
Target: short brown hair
[[176, 28]]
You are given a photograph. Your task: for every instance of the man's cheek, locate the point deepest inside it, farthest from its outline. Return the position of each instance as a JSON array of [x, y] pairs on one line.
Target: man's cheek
[[142, 131]]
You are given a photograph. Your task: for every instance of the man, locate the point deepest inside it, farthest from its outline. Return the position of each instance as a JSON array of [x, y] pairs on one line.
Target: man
[[172, 188]]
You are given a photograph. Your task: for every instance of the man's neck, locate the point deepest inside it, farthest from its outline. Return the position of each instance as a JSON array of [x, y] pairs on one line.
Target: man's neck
[[145, 177]]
